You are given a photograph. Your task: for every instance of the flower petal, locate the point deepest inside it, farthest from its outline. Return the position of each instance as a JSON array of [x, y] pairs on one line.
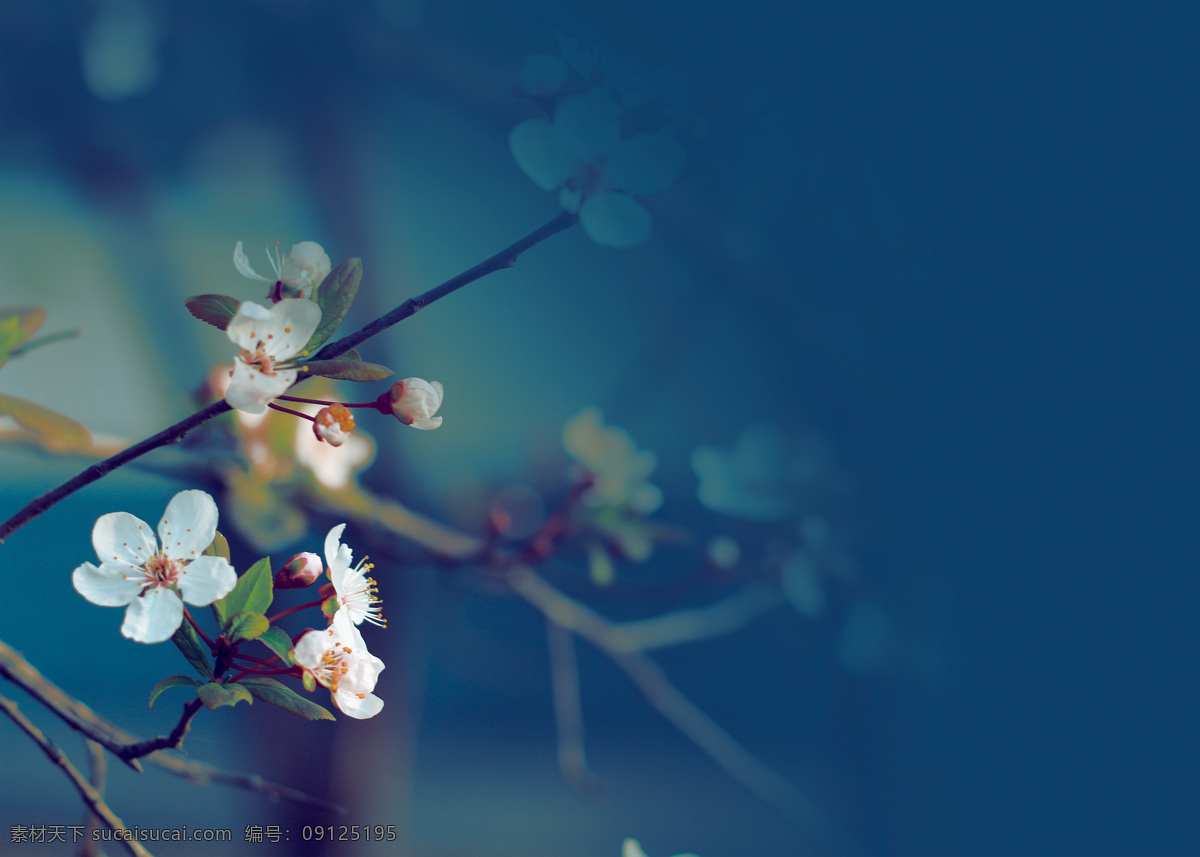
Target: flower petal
[[541, 154], [189, 524], [295, 321], [153, 617], [249, 323], [644, 164], [306, 265], [206, 579], [110, 585], [615, 220], [334, 550], [242, 263], [123, 538], [427, 425], [359, 705], [249, 390]]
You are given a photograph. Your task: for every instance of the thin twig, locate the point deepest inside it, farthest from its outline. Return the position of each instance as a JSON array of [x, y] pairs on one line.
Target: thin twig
[[113, 738], [90, 796], [164, 742], [506, 258], [568, 711]]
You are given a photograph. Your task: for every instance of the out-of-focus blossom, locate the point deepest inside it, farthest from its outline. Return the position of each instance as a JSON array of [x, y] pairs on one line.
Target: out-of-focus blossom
[[268, 339], [723, 552], [302, 269], [333, 424], [618, 469], [300, 571], [765, 477], [597, 173], [414, 402], [120, 50], [333, 468], [154, 582], [337, 658]]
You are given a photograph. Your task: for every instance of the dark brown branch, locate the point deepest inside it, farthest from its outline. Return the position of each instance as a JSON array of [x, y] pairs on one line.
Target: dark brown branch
[[82, 719], [164, 742], [506, 258]]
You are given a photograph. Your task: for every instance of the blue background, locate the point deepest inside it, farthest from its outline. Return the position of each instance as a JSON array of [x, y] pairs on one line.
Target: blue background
[[968, 259]]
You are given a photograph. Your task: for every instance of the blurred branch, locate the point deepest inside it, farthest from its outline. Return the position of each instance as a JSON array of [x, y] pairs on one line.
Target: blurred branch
[[506, 258], [116, 740], [89, 794], [701, 623], [670, 702], [568, 712], [97, 769]]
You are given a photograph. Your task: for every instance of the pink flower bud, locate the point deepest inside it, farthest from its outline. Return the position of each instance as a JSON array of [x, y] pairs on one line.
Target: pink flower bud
[[414, 402], [300, 571], [333, 424]]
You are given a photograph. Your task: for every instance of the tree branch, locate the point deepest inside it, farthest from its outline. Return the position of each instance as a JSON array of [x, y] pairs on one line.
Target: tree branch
[[506, 258], [90, 796], [568, 711], [115, 739]]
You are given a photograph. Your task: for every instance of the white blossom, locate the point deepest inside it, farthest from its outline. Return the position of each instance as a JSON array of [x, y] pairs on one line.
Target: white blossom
[[152, 582], [337, 658], [303, 268], [356, 593], [268, 339]]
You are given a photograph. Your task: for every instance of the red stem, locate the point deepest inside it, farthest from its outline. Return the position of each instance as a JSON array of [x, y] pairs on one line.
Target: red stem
[[291, 610]]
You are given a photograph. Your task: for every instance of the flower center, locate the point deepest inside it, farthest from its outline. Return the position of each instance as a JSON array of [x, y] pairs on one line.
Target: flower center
[[257, 360], [333, 666], [588, 176], [161, 570]]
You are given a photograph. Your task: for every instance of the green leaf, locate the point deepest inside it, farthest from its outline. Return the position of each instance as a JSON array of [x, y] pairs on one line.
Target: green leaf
[[187, 641], [217, 310], [219, 547], [275, 693], [47, 424], [214, 694], [334, 297], [277, 640], [246, 625], [170, 682], [253, 592], [347, 370]]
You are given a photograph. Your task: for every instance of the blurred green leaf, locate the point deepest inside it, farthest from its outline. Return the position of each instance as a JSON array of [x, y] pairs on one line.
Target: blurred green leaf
[[347, 370], [275, 693], [600, 564], [10, 336], [253, 593], [277, 640], [214, 694], [170, 682], [246, 625], [217, 310], [187, 641], [46, 423], [334, 297]]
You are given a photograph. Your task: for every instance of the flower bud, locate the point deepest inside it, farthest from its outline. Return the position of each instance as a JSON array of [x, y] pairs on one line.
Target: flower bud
[[300, 571], [414, 402], [333, 424]]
